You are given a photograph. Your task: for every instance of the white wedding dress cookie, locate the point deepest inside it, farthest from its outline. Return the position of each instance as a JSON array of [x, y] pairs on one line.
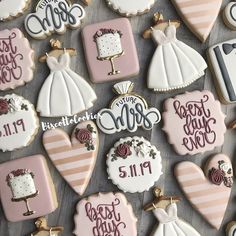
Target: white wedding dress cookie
[[131, 7], [64, 93], [170, 224], [174, 65]]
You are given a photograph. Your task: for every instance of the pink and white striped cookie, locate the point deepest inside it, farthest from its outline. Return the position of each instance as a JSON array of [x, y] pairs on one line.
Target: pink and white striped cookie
[[75, 159], [208, 193]]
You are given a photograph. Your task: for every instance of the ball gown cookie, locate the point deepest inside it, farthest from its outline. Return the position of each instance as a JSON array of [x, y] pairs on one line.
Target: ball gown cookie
[[174, 64], [231, 229], [199, 15], [53, 17], [134, 165], [74, 159], [64, 93], [209, 193], [18, 122], [165, 210], [131, 7], [105, 214], [110, 50], [26, 188], [12, 9], [128, 111], [199, 120], [229, 15], [16, 59], [221, 58]]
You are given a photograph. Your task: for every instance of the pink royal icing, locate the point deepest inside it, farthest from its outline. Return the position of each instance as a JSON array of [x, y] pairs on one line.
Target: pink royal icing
[[16, 59]]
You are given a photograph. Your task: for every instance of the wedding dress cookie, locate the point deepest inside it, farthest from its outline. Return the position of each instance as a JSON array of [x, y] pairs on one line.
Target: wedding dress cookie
[[222, 57], [229, 15], [134, 165], [199, 120], [209, 193], [18, 122], [16, 59], [53, 16], [131, 7], [105, 214], [75, 159]]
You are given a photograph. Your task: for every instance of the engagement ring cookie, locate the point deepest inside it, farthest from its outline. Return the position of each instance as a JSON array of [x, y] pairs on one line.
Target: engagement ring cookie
[[229, 15], [231, 229], [134, 165]]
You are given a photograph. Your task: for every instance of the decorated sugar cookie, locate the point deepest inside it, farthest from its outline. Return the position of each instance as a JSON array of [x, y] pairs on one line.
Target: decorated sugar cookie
[[229, 15], [105, 214], [221, 57], [64, 93], [199, 120], [199, 16], [127, 112], [26, 188], [131, 7], [16, 59], [53, 17], [74, 159], [18, 122], [12, 9], [209, 193], [231, 229], [109, 47], [165, 210], [174, 64], [134, 165]]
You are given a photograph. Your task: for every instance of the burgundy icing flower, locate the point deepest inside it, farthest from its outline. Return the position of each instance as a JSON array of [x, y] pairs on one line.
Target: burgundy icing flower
[[4, 106], [83, 135], [123, 150], [216, 176]]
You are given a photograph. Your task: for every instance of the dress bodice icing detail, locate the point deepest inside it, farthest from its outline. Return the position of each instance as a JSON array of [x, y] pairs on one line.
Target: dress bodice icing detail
[[160, 37], [60, 63]]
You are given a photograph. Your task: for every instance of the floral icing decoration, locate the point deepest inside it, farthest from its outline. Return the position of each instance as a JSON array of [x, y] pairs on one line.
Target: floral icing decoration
[[218, 176], [101, 32], [19, 172], [3, 106], [123, 150], [84, 136]]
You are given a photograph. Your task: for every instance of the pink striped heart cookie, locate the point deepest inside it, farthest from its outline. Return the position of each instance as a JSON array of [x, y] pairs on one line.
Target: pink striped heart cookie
[[208, 193], [199, 15], [75, 159]]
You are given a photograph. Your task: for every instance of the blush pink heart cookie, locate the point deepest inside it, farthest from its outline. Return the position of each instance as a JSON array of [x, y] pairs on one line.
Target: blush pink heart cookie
[[16, 59], [199, 120], [105, 214], [74, 159], [209, 194], [199, 15]]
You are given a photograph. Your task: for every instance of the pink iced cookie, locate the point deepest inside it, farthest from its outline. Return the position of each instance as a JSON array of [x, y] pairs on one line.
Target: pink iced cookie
[[26, 181], [105, 214], [16, 59], [110, 50], [208, 193], [198, 118]]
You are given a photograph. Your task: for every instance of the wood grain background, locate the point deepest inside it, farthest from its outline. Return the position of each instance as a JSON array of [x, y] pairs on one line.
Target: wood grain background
[[63, 216]]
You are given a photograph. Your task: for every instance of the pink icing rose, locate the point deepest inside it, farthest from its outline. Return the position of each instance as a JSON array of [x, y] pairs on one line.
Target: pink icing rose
[[216, 176], [123, 150], [3, 106], [83, 135]]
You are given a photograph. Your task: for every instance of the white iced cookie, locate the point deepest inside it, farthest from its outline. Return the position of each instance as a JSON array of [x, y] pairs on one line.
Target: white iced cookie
[[134, 165], [229, 15], [131, 7], [18, 122], [53, 16], [11, 9], [231, 229]]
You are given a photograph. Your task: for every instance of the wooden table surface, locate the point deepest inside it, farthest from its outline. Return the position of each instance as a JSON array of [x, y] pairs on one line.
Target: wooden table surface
[[63, 216]]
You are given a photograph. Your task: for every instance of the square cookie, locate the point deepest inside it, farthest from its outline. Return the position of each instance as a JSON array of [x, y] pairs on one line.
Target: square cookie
[[110, 50], [222, 60], [26, 188]]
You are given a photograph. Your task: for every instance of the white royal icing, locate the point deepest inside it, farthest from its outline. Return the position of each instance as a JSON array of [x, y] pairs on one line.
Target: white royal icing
[[131, 7], [230, 15], [232, 229], [137, 171], [53, 16]]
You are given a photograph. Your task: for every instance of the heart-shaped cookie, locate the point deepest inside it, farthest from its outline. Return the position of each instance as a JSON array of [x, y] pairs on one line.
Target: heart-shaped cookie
[[208, 193], [199, 15], [75, 159]]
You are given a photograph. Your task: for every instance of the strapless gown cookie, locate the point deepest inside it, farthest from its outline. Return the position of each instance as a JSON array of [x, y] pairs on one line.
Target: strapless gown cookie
[[64, 92], [174, 65]]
